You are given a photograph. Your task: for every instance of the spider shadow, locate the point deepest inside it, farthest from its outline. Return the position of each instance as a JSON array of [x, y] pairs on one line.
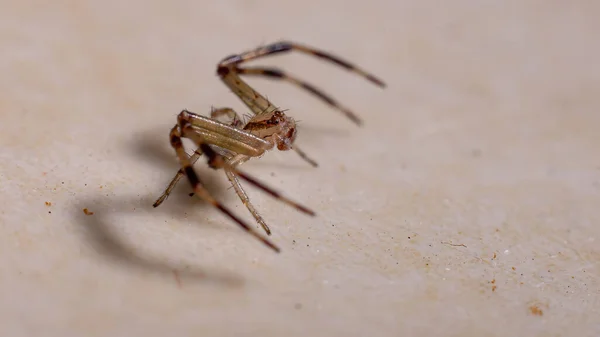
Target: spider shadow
[[104, 234], [105, 239]]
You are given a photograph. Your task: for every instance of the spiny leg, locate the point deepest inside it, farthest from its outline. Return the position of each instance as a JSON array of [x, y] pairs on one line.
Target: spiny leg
[[280, 75], [176, 179], [286, 46], [228, 70], [233, 117], [304, 156], [217, 161], [199, 189], [246, 200], [235, 121]]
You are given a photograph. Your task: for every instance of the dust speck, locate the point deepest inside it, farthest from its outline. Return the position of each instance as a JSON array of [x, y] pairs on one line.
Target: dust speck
[[87, 212], [535, 310]]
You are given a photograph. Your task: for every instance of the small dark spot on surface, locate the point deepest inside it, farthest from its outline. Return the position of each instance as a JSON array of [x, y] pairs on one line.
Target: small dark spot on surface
[[63, 183], [298, 306], [307, 245], [49, 212], [191, 194], [293, 241], [476, 153], [409, 237]]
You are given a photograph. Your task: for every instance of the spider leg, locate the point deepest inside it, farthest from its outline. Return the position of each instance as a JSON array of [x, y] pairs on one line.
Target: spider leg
[[280, 75], [200, 191], [286, 46], [246, 200], [304, 156], [233, 117], [216, 161], [235, 121]]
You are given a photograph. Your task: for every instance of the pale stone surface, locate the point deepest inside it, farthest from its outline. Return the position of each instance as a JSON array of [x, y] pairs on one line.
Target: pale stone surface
[[468, 204]]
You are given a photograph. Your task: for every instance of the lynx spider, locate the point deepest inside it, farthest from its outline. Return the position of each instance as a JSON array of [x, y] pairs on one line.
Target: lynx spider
[[229, 144]]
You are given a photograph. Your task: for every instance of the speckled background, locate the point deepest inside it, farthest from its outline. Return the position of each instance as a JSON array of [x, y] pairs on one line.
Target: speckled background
[[467, 205]]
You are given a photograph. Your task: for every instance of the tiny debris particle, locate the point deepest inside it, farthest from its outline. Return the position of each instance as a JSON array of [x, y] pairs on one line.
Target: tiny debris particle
[[494, 288], [453, 244], [49, 212], [191, 194], [535, 310], [494, 256], [87, 212], [48, 203], [298, 306], [513, 268]]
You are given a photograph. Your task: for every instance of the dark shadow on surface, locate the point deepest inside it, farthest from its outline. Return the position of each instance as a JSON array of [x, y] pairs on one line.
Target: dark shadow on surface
[[100, 229], [150, 148], [105, 239]]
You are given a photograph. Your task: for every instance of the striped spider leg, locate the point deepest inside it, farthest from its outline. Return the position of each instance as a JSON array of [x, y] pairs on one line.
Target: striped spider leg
[[226, 147], [267, 117]]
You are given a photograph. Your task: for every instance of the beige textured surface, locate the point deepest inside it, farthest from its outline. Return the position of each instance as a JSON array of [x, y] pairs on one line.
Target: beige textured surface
[[486, 138]]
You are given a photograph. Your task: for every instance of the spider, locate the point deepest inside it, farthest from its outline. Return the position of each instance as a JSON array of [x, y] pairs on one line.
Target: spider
[[228, 142]]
